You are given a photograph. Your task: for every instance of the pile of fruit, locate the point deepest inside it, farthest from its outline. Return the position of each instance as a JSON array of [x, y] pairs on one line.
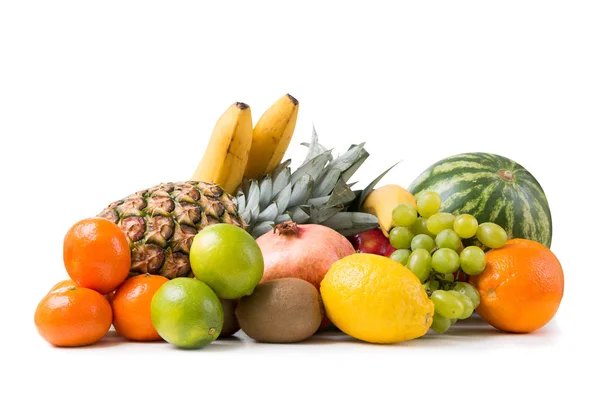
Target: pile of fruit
[[249, 244]]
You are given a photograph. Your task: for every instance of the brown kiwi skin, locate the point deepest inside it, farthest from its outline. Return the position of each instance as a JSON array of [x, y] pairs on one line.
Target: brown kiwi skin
[[230, 324], [285, 310]]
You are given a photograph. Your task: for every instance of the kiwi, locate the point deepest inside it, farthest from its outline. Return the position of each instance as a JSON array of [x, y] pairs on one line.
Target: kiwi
[[283, 310], [230, 324]]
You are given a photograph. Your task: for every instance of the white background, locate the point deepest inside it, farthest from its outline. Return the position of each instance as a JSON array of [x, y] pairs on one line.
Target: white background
[[101, 99]]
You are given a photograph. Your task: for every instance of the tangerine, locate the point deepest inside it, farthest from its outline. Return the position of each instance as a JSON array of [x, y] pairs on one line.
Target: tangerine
[[62, 286], [131, 307], [521, 287], [96, 254], [73, 317]]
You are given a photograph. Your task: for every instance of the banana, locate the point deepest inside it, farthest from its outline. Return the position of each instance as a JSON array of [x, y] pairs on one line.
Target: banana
[[271, 137], [382, 201], [226, 156]]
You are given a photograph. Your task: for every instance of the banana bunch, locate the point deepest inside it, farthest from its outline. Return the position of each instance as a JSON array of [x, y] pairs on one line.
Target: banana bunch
[[236, 150]]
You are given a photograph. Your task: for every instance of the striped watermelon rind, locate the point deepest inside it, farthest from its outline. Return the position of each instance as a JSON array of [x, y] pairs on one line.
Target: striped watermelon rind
[[492, 188]]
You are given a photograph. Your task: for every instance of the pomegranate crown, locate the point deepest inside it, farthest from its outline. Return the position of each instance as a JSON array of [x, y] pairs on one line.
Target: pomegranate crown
[[286, 228]]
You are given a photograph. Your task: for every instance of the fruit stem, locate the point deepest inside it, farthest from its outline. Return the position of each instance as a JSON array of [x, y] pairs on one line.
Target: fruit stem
[[506, 175], [286, 228]]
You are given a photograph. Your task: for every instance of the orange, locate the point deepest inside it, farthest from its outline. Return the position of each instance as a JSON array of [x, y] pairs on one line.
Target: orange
[[67, 283], [62, 286], [96, 254], [521, 287], [131, 307], [73, 317]]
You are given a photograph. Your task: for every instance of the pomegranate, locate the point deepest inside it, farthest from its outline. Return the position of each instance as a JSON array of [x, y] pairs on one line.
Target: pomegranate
[[301, 251], [372, 242]]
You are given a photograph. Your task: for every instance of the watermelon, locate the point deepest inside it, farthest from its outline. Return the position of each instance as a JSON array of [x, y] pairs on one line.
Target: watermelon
[[491, 188]]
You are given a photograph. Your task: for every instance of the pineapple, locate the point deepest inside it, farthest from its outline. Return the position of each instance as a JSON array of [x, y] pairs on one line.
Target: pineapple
[[161, 222]]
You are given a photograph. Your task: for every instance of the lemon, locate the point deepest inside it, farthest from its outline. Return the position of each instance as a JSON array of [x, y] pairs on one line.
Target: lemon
[[375, 299]]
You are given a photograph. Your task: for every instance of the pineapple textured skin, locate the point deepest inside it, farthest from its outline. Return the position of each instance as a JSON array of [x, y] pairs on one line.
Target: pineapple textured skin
[[161, 222]]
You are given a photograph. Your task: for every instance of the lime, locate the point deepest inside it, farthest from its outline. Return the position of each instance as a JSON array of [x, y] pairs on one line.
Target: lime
[[187, 313], [227, 259]]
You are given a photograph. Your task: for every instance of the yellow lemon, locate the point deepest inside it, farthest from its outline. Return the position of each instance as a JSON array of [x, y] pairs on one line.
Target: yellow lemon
[[376, 299]]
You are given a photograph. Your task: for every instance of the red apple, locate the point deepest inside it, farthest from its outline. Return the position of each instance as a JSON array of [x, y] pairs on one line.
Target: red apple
[[372, 242], [389, 250]]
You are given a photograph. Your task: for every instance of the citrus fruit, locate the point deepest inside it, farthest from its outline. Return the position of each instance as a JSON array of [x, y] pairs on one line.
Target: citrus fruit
[[96, 254], [376, 299], [521, 287], [131, 307], [227, 259], [62, 286], [187, 313], [72, 317]]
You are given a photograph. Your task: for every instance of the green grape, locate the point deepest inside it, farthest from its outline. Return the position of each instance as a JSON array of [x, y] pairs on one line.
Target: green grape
[[431, 285], [420, 227], [422, 241], [467, 303], [404, 215], [492, 235], [448, 278], [428, 204], [446, 304], [468, 290], [440, 323], [401, 256], [465, 226], [419, 263], [445, 261], [453, 321], [439, 222], [448, 239], [400, 237], [472, 260]]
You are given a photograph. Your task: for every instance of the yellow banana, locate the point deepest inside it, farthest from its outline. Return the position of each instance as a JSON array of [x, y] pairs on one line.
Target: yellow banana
[[226, 156], [271, 137], [382, 201]]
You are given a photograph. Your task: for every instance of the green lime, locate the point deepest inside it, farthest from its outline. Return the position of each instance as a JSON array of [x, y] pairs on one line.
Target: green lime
[[187, 313], [227, 259]]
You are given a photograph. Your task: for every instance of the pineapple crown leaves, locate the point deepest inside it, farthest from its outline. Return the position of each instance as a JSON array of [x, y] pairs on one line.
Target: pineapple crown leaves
[[317, 192], [361, 195]]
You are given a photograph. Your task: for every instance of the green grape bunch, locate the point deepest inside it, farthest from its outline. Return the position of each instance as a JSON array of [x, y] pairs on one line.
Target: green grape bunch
[[438, 248]]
